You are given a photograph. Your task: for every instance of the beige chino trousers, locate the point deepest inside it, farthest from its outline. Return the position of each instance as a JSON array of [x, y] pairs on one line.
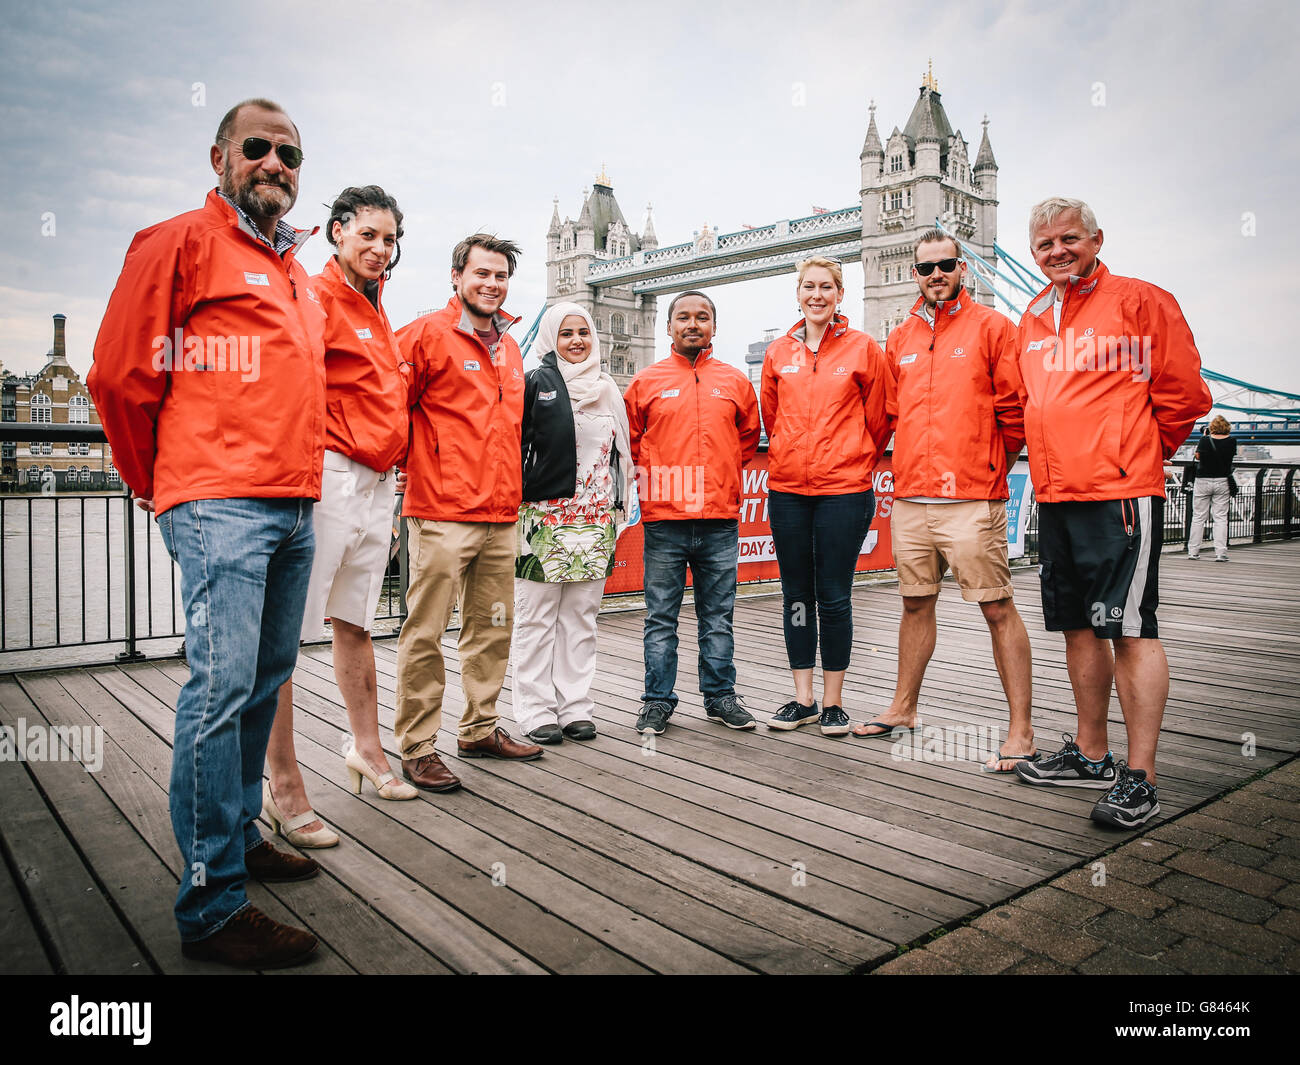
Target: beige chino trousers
[[476, 560]]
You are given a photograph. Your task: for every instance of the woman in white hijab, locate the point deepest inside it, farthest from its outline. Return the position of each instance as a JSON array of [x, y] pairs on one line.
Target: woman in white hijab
[[578, 491]]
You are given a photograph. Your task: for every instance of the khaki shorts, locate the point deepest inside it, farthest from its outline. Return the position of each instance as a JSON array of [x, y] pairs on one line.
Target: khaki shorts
[[354, 527], [970, 538]]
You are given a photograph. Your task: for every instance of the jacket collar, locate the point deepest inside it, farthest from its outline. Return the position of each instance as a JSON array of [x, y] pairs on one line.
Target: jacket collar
[[336, 274], [702, 357], [944, 308], [237, 220], [1076, 288], [837, 326], [502, 319]]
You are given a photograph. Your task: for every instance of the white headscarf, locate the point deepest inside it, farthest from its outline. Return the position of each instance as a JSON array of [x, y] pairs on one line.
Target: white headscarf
[[583, 379], [590, 390]]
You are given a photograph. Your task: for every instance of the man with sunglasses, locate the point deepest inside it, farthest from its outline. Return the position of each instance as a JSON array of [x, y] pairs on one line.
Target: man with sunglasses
[[209, 377], [1111, 382], [959, 426]]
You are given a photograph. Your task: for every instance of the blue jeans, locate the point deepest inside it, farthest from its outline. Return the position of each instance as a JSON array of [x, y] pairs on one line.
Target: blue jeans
[[244, 568], [712, 549], [817, 541]]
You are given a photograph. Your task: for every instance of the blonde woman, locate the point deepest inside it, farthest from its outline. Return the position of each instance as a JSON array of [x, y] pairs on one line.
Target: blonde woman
[[823, 398]]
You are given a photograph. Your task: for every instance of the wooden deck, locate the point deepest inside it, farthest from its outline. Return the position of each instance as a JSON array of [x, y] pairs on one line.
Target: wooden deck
[[717, 852]]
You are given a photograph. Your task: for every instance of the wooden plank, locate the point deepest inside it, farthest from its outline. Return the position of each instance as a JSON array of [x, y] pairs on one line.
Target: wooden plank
[[82, 929]]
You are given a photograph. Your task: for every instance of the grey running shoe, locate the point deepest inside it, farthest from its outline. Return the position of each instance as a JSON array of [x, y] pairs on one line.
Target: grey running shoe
[[730, 710], [654, 716], [1068, 768], [1131, 802]]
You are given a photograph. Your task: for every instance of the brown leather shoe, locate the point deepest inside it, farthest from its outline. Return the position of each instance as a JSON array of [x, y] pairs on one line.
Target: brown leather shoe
[[271, 866], [428, 773], [251, 940], [499, 745]]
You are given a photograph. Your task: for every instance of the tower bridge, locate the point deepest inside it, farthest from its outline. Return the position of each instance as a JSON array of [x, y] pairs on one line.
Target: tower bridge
[[907, 180]]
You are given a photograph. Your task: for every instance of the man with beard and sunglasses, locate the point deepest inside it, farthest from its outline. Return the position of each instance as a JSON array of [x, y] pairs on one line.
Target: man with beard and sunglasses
[[959, 426], [212, 327]]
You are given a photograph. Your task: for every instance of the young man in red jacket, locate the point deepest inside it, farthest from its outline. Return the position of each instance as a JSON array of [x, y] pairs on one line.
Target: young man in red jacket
[[959, 426], [1111, 386], [693, 424], [463, 490], [212, 324]]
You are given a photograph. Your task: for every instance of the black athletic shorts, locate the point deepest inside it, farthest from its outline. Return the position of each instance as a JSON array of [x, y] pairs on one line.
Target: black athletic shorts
[[1099, 564]]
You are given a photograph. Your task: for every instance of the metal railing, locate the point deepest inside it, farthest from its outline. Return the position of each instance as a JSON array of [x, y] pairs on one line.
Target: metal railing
[[88, 569]]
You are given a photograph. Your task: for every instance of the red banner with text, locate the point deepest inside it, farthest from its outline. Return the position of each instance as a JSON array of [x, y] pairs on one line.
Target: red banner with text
[[757, 556]]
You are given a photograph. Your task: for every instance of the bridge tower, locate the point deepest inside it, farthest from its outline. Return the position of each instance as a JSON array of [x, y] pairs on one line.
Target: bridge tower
[[920, 174], [624, 320]]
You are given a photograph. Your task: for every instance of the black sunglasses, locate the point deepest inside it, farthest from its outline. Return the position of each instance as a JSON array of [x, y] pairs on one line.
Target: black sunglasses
[[926, 269], [253, 148]]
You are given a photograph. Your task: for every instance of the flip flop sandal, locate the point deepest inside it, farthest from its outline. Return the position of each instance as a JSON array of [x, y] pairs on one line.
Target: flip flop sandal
[[887, 734], [984, 767]]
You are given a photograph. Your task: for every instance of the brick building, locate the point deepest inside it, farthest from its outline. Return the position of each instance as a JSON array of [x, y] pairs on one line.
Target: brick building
[[54, 395]]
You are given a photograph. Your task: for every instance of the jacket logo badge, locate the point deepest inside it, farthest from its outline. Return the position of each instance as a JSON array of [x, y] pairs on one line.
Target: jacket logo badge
[[1089, 331], [312, 296], [1035, 345], [841, 371], [958, 351], [256, 279], [717, 391], [789, 369], [669, 393], [471, 364], [546, 395], [514, 372], [363, 334], [906, 359], [1117, 612]]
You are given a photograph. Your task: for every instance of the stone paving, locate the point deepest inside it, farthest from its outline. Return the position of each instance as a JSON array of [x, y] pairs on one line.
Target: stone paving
[[1216, 891]]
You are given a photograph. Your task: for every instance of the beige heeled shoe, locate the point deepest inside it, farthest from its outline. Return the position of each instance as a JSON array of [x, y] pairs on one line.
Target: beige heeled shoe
[[386, 786], [291, 828]]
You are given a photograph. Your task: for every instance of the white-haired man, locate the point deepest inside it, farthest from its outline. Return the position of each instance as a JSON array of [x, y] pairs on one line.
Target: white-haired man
[[1111, 387]]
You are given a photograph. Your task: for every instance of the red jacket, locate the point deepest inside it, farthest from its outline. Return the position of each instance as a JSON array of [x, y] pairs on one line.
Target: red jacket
[[209, 373], [825, 413], [366, 376], [958, 411], [692, 428], [466, 416], [1111, 396]]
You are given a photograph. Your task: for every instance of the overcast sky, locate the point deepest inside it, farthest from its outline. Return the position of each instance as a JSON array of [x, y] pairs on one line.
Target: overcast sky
[[1172, 119]]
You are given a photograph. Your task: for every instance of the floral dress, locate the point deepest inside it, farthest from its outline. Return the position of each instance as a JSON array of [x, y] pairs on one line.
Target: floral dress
[[573, 539]]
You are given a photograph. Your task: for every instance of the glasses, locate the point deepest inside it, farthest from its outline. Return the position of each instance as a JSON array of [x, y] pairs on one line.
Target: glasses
[[946, 265], [253, 148]]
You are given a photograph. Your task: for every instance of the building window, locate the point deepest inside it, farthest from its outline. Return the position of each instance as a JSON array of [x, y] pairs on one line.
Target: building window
[[79, 410], [884, 275], [617, 324], [85, 475], [41, 409], [895, 164], [112, 475], [896, 201]]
